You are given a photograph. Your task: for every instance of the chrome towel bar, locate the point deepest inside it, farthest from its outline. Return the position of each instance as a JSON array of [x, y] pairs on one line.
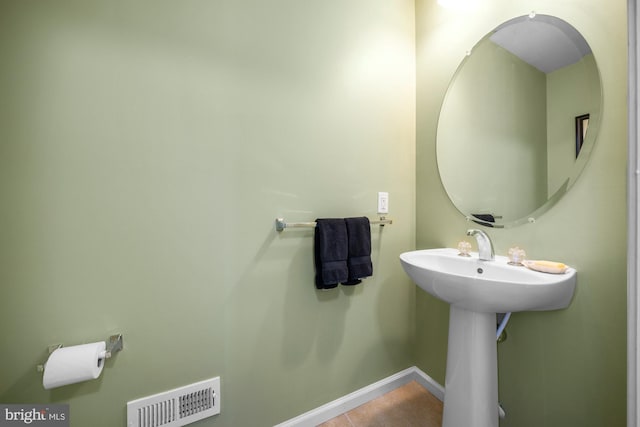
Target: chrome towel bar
[[281, 224]]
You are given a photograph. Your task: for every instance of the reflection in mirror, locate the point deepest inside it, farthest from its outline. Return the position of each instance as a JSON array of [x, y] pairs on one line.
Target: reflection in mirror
[[582, 123], [507, 142]]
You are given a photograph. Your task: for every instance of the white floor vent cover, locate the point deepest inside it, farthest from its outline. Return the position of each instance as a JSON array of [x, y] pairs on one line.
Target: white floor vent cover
[[177, 407]]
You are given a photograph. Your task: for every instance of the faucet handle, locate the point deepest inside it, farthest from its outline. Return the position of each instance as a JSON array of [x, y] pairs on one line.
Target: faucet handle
[[516, 255], [464, 248]]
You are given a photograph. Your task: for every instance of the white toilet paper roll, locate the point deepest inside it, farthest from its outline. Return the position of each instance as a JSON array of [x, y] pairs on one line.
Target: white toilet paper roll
[[69, 365]]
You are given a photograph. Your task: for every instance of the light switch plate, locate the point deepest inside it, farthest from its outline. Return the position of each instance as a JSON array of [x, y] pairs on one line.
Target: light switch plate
[[383, 202]]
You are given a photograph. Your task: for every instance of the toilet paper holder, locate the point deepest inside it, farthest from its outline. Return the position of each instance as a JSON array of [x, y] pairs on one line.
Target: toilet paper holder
[[113, 344]]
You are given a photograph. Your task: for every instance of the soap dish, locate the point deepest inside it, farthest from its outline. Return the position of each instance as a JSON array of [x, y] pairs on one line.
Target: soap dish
[[546, 266]]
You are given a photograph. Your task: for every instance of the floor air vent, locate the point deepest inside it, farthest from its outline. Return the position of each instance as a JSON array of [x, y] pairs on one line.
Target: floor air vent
[[177, 407]]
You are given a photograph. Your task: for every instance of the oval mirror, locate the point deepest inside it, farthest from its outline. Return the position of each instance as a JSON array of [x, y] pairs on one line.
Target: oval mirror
[[518, 121]]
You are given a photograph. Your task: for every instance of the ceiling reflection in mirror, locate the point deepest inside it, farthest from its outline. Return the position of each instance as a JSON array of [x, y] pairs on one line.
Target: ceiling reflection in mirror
[[507, 142]]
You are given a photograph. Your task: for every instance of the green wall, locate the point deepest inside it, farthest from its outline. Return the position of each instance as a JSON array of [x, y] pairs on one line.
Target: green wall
[[146, 149], [562, 368]]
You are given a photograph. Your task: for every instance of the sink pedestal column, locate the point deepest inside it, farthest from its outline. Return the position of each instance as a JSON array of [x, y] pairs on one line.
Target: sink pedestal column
[[471, 383]]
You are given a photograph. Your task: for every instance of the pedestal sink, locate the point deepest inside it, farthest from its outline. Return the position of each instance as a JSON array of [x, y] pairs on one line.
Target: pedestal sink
[[477, 290]]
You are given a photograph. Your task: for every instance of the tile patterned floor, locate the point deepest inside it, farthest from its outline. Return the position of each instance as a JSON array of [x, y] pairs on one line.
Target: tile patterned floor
[[408, 406]]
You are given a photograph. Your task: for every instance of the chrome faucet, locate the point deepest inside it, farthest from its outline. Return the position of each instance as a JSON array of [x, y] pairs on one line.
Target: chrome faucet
[[485, 247]]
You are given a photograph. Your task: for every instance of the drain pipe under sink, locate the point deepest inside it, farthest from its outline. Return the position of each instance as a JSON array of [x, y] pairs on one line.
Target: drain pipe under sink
[[503, 324], [501, 327]]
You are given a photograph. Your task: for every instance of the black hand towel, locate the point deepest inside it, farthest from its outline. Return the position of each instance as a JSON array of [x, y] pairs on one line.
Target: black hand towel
[[484, 219], [359, 260], [331, 251]]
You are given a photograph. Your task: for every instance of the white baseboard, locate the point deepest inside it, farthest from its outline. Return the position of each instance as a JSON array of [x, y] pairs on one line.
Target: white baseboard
[[365, 394]]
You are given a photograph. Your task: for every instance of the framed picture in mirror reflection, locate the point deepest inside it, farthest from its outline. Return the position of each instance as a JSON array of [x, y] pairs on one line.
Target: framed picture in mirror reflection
[[582, 123]]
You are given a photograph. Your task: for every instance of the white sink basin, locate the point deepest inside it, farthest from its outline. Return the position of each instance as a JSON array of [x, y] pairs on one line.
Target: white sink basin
[[487, 286], [477, 290]]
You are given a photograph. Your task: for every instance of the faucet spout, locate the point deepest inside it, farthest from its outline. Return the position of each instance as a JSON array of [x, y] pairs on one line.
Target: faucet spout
[[485, 247]]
